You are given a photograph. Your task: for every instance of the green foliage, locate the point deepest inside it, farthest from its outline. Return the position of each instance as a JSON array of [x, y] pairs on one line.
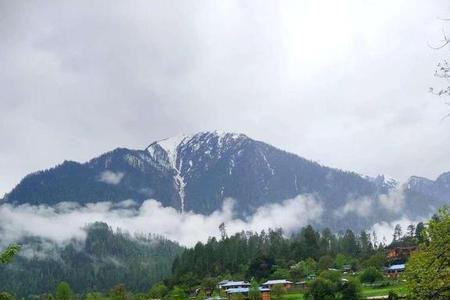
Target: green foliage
[[392, 296], [428, 270], [377, 261], [209, 284], [254, 293], [237, 296], [325, 262], [341, 260], [303, 268], [280, 272], [8, 254], [139, 296], [350, 290], [333, 276], [261, 267], [106, 258], [158, 291], [350, 245], [119, 292], [419, 232], [178, 294], [270, 255], [63, 291], [94, 296], [201, 295], [277, 292], [321, 289], [329, 285], [6, 296], [370, 275]]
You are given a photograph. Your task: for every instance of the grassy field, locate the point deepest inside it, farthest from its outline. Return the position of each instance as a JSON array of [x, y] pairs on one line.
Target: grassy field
[[400, 289], [366, 292], [297, 296]]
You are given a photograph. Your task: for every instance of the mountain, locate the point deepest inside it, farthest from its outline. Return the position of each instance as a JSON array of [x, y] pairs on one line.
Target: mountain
[[427, 195], [197, 172], [104, 259]]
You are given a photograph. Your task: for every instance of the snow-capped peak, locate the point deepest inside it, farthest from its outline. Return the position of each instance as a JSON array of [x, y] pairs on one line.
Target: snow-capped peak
[[168, 152], [170, 145]]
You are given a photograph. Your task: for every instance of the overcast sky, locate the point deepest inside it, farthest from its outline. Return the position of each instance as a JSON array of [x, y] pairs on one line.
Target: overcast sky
[[344, 83]]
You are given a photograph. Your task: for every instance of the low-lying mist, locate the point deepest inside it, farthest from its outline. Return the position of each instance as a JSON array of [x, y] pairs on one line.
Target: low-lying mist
[[67, 221]]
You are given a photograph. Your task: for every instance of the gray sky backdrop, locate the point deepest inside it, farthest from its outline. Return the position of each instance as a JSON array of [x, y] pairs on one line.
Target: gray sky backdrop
[[344, 83]]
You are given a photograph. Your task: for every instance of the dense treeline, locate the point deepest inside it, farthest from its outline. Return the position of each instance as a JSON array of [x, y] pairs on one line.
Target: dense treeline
[[271, 255], [111, 263], [104, 259]]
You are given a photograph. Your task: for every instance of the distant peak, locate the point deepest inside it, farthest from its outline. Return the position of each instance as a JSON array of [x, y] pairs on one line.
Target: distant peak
[[170, 144]]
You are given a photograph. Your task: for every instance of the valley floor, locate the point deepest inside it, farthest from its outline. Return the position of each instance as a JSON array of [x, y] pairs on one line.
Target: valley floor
[[367, 292]]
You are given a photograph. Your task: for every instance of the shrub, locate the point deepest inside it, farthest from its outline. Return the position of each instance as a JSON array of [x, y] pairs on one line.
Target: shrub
[[371, 275], [392, 296], [321, 289], [350, 290]]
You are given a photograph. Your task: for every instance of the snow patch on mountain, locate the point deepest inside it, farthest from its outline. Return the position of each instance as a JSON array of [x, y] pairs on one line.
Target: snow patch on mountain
[[171, 148], [169, 153]]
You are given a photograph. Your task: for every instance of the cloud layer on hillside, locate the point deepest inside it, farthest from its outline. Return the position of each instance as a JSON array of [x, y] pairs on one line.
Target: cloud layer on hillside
[[66, 221]]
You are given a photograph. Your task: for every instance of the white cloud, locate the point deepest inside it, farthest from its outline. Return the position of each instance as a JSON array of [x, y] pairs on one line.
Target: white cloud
[[394, 201], [360, 206], [64, 222], [110, 177]]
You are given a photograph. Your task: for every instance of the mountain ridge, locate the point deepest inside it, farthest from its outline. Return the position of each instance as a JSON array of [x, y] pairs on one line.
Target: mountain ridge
[[197, 172]]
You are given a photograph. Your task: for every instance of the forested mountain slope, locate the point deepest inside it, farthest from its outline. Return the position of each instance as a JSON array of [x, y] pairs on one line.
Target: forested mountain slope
[[103, 260]]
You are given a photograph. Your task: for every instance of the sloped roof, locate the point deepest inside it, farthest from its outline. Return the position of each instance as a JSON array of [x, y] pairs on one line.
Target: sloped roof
[[245, 290], [276, 281], [397, 267], [234, 283]]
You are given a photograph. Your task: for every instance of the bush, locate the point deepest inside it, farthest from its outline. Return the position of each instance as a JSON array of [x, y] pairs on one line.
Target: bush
[[392, 296], [63, 291], [371, 275], [333, 276], [321, 289], [178, 294], [158, 291], [277, 292], [6, 296], [350, 290]]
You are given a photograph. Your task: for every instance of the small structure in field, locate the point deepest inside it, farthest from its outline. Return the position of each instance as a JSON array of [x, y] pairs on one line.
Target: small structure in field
[[346, 268], [395, 270]]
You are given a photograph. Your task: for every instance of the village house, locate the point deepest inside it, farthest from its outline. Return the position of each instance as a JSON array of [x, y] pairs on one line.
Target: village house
[[221, 283], [394, 270], [226, 285], [399, 253], [265, 292], [286, 284]]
